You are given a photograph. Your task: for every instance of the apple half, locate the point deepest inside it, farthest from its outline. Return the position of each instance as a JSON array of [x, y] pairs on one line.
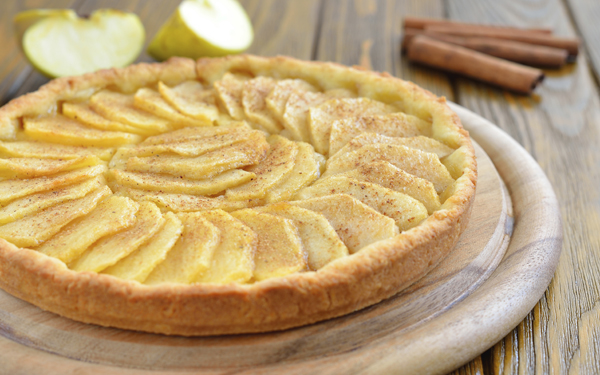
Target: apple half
[[61, 44], [203, 28]]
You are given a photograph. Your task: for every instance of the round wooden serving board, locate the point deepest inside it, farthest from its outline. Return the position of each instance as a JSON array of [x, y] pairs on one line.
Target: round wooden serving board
[[487, 285]]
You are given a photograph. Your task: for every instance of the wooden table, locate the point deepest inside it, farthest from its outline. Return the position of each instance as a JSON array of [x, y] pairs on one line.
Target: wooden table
[[559, 126]]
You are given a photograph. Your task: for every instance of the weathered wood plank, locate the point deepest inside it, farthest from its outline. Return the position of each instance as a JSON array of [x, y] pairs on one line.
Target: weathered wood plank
[[560, 127], [283, 27], [586, 14], [369, 33]]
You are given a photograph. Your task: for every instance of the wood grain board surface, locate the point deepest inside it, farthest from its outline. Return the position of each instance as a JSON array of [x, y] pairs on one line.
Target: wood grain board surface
[[473, 298], [559, 126]]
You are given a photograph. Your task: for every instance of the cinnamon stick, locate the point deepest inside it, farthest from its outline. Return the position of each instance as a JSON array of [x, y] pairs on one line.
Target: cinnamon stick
[[457, 59], [523, 53], [570, 44], [422, 23]]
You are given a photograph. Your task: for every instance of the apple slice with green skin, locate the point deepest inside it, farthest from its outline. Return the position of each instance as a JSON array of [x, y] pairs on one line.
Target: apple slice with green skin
[[201, 28], [24, 20], [62, 44]]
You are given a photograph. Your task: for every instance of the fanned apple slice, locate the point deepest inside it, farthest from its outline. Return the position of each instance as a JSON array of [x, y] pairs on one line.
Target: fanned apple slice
[[169, 184], [44, 150], [229, 91], [191, 255], [393, 125], [191, 148], [357, 224], [65, 131], [254, 93], [184, 202], [386, 175], [119, 159], [110, 216], [279, 249], [30, 168], [454, 161], [319, 239], [405, 210], [280, 94], [14, 189], [418, 143], [306, 170], [192, 99], [295, 116], [152, 102], [233, 260], [192, 134], [138, 265], [121, 108], [278, 163], [322, 116], [37, 202], [110, 249], [82, 112], [34, 229], [419, 163], [242, 154]]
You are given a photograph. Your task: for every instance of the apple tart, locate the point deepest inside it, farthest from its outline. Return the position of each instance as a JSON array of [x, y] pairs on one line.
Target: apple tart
[[232, 195]]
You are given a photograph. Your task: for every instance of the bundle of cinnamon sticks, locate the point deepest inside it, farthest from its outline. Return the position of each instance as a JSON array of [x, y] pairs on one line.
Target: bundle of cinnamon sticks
[[491, 54]]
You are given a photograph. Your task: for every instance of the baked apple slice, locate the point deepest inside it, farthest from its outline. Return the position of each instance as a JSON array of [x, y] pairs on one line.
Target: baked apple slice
[[233, 260], [254, 94], [193, 134], [242, 154], [295, 117], [152, 101], [138, 265], [44, 150], [278, 249], [15, 168], [192, 99], [281, 92], [229, 90], [322, 116], [185, 202], [418, 143], [38, 227], [110, 249], [37, 202], [386, 175], [191, 148], [63, 130], [14, 189], [357, 224], [170, 184], [306, 170], [318, 237], [121, 108], [405, 210], [275, 167], [110, 216], [421, 164], [191, 255], [393, 125], [84, 113]]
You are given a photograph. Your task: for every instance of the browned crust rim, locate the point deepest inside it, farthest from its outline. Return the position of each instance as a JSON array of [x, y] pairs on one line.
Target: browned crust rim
[[343, 286]]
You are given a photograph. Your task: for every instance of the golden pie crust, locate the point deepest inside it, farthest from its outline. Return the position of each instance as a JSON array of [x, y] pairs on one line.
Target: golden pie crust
[[347, 284]]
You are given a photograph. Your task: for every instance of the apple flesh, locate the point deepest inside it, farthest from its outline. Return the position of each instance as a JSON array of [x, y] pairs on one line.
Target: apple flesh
[[62, 44], [200, 28]]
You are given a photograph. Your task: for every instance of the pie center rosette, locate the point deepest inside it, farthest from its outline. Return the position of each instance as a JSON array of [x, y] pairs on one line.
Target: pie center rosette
[[234, 170]]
